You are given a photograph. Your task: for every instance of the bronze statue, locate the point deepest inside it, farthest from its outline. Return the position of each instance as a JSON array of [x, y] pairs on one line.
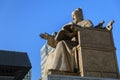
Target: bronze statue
[[64, 57]]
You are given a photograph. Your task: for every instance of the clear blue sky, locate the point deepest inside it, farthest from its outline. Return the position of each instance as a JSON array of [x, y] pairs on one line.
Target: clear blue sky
[[21, 22]]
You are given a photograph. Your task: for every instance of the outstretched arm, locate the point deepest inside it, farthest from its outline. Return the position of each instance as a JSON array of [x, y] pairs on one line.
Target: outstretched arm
[[45, 36], [50, 39]]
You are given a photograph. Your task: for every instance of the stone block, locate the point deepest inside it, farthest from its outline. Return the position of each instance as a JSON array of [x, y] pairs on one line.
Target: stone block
[[65, 77], [96, 51]]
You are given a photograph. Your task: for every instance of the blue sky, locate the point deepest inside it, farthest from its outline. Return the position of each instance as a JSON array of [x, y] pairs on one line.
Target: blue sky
[[21, 22]]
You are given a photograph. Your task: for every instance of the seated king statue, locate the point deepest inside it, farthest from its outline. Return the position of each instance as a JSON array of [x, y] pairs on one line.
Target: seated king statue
[[64, 57]]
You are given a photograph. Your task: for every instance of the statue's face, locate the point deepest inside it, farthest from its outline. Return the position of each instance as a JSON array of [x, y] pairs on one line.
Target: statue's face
[[77, 16], [74, 18]]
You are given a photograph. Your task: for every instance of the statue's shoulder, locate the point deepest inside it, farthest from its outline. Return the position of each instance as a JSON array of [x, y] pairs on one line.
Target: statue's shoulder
[[85, 23], [67, 26]]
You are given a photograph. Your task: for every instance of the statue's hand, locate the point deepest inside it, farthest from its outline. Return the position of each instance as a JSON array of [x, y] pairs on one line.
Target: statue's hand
[[44, 35]]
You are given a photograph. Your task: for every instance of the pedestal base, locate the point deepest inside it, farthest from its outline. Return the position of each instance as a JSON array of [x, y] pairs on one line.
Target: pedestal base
[[66, 77]]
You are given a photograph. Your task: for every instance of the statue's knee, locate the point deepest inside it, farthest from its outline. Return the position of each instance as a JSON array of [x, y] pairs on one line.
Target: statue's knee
[[61, 42]]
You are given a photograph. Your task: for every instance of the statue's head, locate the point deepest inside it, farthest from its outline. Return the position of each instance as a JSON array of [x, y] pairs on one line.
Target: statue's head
[[77, 15]]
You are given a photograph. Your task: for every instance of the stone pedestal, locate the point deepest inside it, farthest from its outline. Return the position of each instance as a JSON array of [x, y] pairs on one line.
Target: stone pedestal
[[97, 54], [65, 77]]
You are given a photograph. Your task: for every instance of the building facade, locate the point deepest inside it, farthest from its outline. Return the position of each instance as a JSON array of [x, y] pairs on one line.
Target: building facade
[[14, 65], [44, 54], [28, 76]]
